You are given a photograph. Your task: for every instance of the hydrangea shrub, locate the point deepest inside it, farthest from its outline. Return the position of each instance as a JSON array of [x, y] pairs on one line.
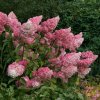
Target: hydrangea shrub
[[42, 52]]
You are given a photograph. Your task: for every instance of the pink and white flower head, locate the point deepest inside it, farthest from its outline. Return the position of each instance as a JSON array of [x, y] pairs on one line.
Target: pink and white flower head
[[12, 16], [28, 28], [69, 71], [49, 25], [66, 59], [85, 62], [14, 24], [70, 59], [44, 73], [3, 21], [15, 69], [87, 58], [77, 41], [63, 37], [88, 54], [66, 39], [35, 22]]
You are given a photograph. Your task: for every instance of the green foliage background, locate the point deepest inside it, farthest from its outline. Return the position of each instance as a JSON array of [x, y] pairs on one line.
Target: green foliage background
[[81, 15]]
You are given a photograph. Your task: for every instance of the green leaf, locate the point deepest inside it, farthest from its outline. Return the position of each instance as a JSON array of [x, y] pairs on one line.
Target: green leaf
[[80, 96]]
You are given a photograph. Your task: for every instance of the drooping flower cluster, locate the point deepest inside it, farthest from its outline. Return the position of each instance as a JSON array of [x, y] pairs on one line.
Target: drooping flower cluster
[[40, 41]]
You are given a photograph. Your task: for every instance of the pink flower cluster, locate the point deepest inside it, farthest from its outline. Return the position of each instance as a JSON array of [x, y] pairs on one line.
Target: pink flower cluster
[[43, 34], [38, 77], [16, 68], [64, 38], [68, 64], [43, 73], [31, 82], [49, 25], [87, 58], [3, 21]]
